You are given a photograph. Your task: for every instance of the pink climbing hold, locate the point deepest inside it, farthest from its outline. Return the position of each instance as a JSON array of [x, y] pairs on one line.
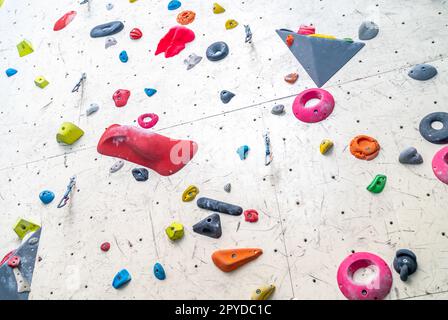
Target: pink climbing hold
[[306, 30], [174, 41], [14, 262], [64, 20], [121, 97], [378, 286], [148, 124], [314, 113], [251, 215], [105, 246], [440, 164]]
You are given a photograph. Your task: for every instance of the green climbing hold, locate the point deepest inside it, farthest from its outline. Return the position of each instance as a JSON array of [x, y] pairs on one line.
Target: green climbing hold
[[378, 184]]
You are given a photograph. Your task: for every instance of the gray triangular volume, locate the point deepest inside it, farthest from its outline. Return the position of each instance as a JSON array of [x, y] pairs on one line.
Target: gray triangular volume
[[321, 57], [210, 226]]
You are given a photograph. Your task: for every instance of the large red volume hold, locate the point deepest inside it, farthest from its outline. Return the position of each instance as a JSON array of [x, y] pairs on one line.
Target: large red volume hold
[[174, 41], [64, 20], [164, 155]]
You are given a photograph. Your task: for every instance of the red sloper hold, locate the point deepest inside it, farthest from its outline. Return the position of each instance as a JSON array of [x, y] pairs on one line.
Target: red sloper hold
[[121, 97], [164, 155], [174, 41], [135, 34], [64, 20]]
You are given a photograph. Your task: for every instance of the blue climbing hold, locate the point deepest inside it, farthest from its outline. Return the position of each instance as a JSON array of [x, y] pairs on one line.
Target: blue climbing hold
[[124, 56], [10, 72], [46, 196], [121, 278], [174, 4], [242, 152], [159, 272], [150, 92]]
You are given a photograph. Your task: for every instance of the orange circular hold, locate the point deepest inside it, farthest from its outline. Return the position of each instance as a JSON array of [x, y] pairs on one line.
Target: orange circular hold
[[364, 147], [186, 17]]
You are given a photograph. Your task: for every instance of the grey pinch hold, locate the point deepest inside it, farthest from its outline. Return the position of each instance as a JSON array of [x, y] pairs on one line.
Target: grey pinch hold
[[217, 51], [228, 187], [437, 136], [109, 6], [410, 156], [278, 109], [368, 30], [248, 34], [405, 263], [110, 41], [210, 226], [192, 60], [422, 72], [92, 109], [116, 166], [106, 29], [218, 206], [140, 174], [226, 96]]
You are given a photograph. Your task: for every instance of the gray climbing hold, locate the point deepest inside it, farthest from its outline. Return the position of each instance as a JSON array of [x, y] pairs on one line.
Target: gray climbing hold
[[110, 41], [368, 30], [410, 156], [210, 226], [217, 51], [278, 109], [140, 174], [218, 206], [438, 136], [116, 166], [192, 60], [92, 109], [109, 6], [248, 34], [106, 29], [405, 263], [422, 72], [226, 96], [228, 187]]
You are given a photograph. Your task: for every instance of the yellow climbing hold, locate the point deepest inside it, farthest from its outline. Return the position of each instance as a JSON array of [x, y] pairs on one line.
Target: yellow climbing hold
[[230, 24], [325, 145], [217, 8], [24, 47], [1, 2], [22, 227], [132, 1], [319, 35], [175, 231], [190, 193], [69, 133], [41, 82], [263, 292]]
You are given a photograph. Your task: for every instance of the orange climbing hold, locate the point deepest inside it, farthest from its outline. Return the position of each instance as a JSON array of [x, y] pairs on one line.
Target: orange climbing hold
[[289, 40], [231, 259], [186, 17], [364, 147], [291, 78]]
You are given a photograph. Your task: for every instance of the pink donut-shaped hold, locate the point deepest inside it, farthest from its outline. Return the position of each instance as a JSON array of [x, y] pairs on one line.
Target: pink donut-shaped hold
[[376, 288], [315, 113], [440, 164], [148, 124]]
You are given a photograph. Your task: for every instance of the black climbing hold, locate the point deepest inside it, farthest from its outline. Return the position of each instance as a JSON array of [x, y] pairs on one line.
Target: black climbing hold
[[438, 136], [210, 226], [140, 174], [107, 29], [228, 187], [405, 263], [422, 72], [278, 109], [368, 30], [218, 206], [226, 96], [217, 51], [410, 156]]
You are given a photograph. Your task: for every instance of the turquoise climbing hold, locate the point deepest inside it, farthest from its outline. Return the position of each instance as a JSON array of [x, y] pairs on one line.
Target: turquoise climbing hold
[[159, 272], [46, 196], [121, 278], [10, 72], [124, 56], [174, 4], [242, 152], [150, 92]]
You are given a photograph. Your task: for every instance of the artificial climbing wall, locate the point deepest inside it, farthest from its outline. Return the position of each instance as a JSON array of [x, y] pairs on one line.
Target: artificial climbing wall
[[314, 210]]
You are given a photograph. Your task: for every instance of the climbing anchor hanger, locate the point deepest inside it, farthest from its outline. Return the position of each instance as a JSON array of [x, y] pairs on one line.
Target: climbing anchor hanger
[[66, 196]]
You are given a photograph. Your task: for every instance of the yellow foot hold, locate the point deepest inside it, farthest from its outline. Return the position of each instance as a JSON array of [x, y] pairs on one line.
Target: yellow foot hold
[[175, 231], [22, 227], [1, 3], [132, 1], [217, 8], [263, 292], [325, 145], [230, 24], [325, 36], [190, 193], [41, 82], [25, 47], [69, 133]]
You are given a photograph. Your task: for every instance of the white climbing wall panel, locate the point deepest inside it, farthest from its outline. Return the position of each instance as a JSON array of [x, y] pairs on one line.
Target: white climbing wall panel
[[314, 209]]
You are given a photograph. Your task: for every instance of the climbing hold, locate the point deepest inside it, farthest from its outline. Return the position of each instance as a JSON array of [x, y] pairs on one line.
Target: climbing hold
[[226, 96], [41, 82], [291, 78], [306, 30], [64, 20], [150, 92], [164, 155], [192, 60], [116, 166], [210, 226], [263, 292], [440, 164], [140, 174], [322, 36], [349, 40], [325, 146], [438, 136], [317, 112], [174, 41], [22, 227], [121, 97], [124, 56], [377, 289], [278, 109], [10, 72], [175, 231], [92, 109], [24, 48], [132, 1], [186, 17], [217, 51], [364, 147], [378, 184], [230, 259], [109, 6], [422, 72], [368, 30], [135, 34], [106, 29], [46, 196], [410, 156], [14, 262], [218, 206], [148, 124], [231, 23], [217, 8], [243, 152], [405, 263], [110, 41], [105, 246], [174, 4], [190, 193], [320, 57], [251, 215], [228, 187], [69, 133], [121, 278], [159, 272], [248, 34]]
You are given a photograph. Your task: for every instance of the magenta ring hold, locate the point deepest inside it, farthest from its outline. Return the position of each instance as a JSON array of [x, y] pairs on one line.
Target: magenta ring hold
[[440, 164], [315, 113], [148, 124]]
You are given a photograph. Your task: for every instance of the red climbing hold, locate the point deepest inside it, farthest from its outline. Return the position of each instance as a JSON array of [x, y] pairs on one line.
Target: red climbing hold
[[289, 40], [121, 97], [174, 41], [105, 246], [8, 255], [14, 262], [251, 215], [305, 30], [164, 155], [135, 34], [64, 20]]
